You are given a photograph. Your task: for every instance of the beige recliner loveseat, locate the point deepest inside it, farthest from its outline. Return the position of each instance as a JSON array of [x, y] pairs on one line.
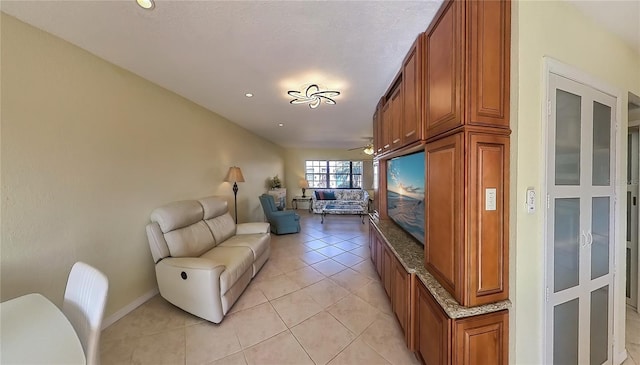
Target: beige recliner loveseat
[[204, 261]]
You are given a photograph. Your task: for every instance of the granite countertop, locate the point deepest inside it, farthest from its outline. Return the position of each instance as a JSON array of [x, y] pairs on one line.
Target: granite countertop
[[411, 256]]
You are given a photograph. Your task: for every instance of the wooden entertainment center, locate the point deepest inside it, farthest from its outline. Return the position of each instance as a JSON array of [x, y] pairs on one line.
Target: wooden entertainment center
[[450, 99]]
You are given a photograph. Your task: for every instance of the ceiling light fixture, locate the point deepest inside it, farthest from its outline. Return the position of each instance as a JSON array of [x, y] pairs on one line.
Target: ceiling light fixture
[[146, 4], [313, 96], [368, 150], [280, 124], [248, 95]]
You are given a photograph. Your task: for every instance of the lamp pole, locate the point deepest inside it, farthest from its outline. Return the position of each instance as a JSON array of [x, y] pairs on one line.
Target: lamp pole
[[235, 200]]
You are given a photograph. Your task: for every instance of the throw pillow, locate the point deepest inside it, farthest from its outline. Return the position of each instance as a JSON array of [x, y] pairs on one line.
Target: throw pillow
[[329, 195]]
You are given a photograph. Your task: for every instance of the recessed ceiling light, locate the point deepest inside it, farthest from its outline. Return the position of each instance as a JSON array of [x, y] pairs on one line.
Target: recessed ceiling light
[[248, 95], [280, 124], [146, 4]]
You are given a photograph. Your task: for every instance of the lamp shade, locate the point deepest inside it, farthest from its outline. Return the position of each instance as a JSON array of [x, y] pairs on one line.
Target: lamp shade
[[234, 175], [303, 183]]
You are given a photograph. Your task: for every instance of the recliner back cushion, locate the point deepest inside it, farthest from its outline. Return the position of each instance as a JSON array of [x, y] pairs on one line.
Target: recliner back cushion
[[191, 241], [184, 231], [177, 215], [222, 227], [213, 206]]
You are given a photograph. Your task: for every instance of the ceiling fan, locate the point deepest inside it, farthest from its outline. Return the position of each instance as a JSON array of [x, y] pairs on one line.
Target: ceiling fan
[[367, 149]]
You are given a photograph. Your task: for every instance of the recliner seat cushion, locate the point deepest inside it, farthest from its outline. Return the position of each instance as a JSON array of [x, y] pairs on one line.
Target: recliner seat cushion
[[258, 243], [237, 260]]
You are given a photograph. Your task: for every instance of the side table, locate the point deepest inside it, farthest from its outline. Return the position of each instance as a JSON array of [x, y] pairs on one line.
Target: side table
[[296, 199]]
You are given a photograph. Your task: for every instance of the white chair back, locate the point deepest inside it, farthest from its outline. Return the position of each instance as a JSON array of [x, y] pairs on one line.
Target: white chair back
[[84, 300]]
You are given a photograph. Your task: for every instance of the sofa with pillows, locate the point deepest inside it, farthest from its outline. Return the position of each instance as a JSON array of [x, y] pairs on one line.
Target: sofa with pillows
[[203, 259], [320, 198]]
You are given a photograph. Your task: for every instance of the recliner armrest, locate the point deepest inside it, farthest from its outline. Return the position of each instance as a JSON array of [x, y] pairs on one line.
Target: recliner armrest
[[252, 228]]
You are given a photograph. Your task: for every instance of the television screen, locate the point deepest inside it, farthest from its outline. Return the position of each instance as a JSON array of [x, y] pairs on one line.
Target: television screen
[[405, 193]]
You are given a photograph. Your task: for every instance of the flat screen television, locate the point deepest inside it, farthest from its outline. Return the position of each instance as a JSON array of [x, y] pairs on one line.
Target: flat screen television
[[405, 193]]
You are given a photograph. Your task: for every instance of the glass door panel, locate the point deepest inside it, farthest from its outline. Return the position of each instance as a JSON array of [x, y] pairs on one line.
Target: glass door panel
[[567, 158], [599, 240], [601, 168], [566, 251], [565, 332], [599, 331]]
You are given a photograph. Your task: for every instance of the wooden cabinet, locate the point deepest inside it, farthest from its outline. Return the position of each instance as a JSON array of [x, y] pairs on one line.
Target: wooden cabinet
[[396, 116], [376, 135], [385, 127], [387, 265], [412, 93], [401, 293], [444, 69], [482, 339], [380, 258], [441, 340], [433, 329], [467, 69], [396, 280], [467, 245]]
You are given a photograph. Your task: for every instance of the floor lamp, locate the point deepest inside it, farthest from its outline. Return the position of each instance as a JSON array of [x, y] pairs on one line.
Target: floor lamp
[[235, 175]]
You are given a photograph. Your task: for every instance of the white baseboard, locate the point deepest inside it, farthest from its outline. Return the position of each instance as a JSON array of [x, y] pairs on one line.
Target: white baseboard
[[128, 308], [620, 357]]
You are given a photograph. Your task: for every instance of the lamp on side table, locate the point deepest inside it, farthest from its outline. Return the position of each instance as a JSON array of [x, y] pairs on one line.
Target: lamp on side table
[[304, 184]]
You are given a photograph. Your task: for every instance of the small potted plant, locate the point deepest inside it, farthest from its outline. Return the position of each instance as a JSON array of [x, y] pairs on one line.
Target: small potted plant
[[276, 183]]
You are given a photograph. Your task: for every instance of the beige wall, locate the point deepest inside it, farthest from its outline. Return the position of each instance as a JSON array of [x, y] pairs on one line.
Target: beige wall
[[295, 162], [555, 29], [88, 150]]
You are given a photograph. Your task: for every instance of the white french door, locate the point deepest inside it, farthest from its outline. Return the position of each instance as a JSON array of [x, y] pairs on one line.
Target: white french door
[[579, 227], [631, 290]]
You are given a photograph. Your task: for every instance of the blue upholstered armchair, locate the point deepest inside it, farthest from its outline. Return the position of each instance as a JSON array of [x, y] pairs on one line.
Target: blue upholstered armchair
[[282, 222]]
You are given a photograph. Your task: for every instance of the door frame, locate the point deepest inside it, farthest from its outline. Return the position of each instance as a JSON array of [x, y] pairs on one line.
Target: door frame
[[553, 66]]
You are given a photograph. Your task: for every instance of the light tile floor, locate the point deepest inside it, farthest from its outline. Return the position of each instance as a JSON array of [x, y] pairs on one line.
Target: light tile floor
[[317, 300], [632, 337]]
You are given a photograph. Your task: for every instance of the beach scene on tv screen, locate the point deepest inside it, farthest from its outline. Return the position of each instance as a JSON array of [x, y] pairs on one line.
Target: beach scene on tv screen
[[405, 193]]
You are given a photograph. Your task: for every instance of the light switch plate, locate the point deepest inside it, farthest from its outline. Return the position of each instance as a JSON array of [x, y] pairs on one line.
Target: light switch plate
[[490, 199], [531, 200]]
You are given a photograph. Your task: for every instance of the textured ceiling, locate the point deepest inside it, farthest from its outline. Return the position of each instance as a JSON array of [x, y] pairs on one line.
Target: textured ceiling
[[213, 52]]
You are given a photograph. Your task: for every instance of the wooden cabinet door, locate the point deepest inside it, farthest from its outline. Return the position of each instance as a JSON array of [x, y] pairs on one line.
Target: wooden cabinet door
[[432, 329], [387, 276], [400, 297], [372, 244], [444, 212], [412, 93], [385, 128], [380, 258], [487, 243], [444, 70], [482, 340], [489, 42], [396, 117], [376, 136]]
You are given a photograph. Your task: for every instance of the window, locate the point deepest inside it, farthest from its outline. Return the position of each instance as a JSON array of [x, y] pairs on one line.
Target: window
[[334, 174]]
